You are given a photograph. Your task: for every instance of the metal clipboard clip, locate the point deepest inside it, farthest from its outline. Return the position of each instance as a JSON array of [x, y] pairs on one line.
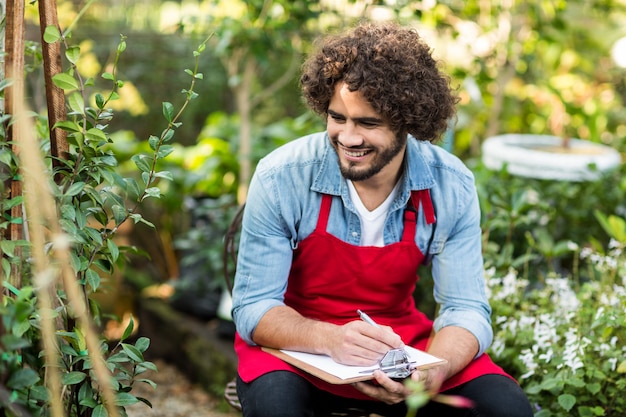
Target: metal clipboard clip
[[395, 364]]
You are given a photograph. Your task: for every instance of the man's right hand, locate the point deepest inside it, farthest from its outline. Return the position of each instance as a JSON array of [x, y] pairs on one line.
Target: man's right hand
[[361, 344]]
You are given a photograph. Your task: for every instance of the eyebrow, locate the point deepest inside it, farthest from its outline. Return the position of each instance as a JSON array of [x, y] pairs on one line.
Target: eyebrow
[[370, 120]]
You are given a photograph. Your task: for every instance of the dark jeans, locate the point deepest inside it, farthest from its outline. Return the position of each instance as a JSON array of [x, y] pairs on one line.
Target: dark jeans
[[282, 394]]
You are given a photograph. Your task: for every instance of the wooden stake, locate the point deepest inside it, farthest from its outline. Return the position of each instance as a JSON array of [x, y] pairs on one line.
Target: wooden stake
[[55, 97]]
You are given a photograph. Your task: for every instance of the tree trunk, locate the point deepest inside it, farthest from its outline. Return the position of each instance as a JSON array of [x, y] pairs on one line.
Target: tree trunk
[[243, 93]]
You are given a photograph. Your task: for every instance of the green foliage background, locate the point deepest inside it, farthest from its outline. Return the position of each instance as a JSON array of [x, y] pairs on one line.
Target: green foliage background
[[540, 67]]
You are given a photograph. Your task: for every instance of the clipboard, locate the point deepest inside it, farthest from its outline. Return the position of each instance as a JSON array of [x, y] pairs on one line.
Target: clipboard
[[323, 367]]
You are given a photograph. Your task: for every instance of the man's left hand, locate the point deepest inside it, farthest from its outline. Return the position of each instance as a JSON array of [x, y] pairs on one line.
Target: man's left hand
[[390, 391], [387, 390]]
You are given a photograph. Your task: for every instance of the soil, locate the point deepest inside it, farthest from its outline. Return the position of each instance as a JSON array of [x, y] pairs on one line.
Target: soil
[[176, 396]]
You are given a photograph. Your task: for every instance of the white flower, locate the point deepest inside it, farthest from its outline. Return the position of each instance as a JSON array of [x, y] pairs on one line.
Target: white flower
[[613, 362], [586, 252], [497, 347], [563, 297], [573, 246], [545, 331], [599, 313], [547, 356], [573, 348], [528, 359]]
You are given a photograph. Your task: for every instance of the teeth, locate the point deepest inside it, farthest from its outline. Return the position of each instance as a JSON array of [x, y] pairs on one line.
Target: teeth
[[355, 154]]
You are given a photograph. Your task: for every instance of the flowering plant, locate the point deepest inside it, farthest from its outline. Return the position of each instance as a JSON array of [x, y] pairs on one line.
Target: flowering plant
[[564, 338]]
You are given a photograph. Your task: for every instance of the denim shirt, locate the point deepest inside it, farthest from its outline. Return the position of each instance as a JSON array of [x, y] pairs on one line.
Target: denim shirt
[[282, 209]]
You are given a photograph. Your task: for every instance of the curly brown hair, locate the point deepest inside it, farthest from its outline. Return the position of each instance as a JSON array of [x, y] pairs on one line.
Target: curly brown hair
[[394, 70]]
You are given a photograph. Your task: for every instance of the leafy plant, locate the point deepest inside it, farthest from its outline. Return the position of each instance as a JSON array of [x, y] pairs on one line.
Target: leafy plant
[[537, 226], [71, 248], [565, 341]]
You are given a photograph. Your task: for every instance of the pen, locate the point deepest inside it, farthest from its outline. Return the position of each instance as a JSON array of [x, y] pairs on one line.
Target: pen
[[367, 318]]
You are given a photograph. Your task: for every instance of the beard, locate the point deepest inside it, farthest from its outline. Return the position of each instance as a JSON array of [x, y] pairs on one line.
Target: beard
[[383, 156]]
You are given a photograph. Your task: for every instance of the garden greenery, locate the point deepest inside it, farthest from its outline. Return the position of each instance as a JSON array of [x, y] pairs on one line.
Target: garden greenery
[[52, 360], [556, 276]]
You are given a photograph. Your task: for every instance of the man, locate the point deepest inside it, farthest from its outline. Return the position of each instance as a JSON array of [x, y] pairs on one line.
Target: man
[[340, 220]]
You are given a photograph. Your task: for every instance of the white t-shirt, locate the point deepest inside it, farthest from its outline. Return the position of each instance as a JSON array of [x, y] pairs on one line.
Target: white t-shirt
[[372, 222]]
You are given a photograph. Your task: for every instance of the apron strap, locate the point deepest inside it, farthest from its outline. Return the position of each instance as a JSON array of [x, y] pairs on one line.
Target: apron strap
[[423, 197], [322, 220], [410, 213]]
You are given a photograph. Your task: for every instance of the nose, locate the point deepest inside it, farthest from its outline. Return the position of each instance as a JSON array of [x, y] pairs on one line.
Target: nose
[[350, 137]]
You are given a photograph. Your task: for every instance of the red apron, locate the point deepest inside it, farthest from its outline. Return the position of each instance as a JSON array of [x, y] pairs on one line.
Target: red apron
[[330, 279]]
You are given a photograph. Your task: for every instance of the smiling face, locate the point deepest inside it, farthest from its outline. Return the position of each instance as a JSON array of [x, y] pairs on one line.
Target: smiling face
[[366, 145]]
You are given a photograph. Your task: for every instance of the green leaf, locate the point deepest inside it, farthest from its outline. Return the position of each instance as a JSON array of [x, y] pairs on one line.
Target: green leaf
[[72, 378], [76, 103], [93, 279], [168, 111], [154, 192], [21, 327], [129, 330], [86, 397], [549, 383], [148, 365], [108, 76], [614, 226], [13, 342], [567, 401], [168, 134], [100, 411], [7, 247], [594, 387], [576, 382], [145, 176], [147, 381], [96, 134], [39, 393], [68, 211], [22, 378], [142, 344], [165, 175], [68, 350], [124, 399], [65, 81], [88, 401], [154, 142], [119, 213], [99, 100], [132, 352], [51, 34], [142, 162], [73, 54], [68, 126], [165, 151], [93, 235], [75, 189], [621, 369], [81, 219]]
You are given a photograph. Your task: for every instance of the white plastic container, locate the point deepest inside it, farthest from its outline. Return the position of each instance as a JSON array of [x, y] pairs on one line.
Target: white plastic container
[[545, 157]]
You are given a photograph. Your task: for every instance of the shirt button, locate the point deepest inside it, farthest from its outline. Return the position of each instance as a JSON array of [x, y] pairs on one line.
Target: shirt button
[[355, 234]]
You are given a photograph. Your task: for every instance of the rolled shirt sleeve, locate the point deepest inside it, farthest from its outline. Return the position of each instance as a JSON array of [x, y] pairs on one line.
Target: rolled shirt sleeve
[[458, 274]]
